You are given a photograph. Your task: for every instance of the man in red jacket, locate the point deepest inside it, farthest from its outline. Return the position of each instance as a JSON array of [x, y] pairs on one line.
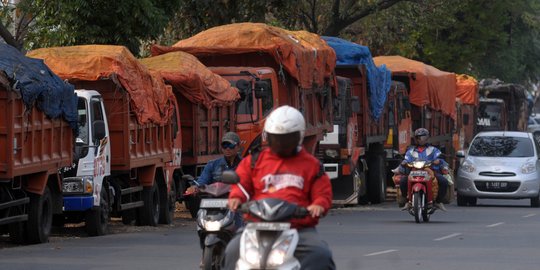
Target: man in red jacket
[[286, 171]]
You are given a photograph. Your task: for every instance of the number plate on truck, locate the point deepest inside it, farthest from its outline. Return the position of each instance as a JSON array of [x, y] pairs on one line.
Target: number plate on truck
[[213, 203]]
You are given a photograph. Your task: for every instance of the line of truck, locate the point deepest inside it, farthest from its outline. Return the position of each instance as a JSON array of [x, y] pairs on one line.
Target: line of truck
[[133, 127]]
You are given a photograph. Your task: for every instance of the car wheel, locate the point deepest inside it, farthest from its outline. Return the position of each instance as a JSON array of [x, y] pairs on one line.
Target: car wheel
[[461, 200], [535, 202]]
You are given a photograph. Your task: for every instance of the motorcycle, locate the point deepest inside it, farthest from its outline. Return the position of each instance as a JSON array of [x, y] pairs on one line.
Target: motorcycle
[[216, 224], [421, 189], [269, 242]]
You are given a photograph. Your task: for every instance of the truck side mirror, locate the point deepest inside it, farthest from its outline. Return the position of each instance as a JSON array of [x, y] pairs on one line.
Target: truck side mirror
[[230, 177], [243, 87], [99, 129], [261, 89], [355, 104]]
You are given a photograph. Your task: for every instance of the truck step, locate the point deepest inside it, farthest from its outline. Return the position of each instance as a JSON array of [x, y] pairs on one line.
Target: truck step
[[22, 201], [13, 219], [131, 205]]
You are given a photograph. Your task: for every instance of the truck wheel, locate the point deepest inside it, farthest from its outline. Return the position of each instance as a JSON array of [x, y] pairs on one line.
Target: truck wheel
[[17, 233], [38, 226], [97, 219], [149, 213], [376, 184], [168, 205]]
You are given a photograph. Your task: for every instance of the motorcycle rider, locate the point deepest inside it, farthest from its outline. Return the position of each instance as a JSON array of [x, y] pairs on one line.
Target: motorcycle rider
[[230, 146], [424, 151], [286, 171]]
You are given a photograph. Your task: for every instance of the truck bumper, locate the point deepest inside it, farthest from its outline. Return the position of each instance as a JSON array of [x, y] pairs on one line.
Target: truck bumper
[[78, 203]]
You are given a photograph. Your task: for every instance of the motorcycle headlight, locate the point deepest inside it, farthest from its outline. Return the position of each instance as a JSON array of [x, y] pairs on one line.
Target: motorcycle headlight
[[528, 167], [78, 185], [212, 226], [279, 251], [467, 167], [251, 249], [419, 164]]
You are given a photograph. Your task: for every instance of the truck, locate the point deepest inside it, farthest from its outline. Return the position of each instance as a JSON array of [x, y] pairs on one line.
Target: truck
[[431, 95], [270, 67], [129, 144], [37, 128], [467, 100], [353, 154], [512, 114], [207, 112]]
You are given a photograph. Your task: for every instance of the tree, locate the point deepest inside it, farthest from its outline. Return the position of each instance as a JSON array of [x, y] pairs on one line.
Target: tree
[[74, 22]]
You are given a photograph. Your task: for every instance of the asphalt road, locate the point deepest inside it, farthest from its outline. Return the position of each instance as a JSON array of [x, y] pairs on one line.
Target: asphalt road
[[496, 234]]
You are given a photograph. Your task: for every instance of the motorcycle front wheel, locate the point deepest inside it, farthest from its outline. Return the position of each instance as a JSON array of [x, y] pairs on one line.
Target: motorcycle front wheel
[[418, 205], [212, 256]]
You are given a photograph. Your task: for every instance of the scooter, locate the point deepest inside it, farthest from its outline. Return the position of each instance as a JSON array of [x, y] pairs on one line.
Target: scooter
[[421, 185], [269, 242], [216, 224]]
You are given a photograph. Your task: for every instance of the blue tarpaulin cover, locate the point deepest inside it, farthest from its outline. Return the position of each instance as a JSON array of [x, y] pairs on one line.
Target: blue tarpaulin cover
[[379, 78], [38, 85]]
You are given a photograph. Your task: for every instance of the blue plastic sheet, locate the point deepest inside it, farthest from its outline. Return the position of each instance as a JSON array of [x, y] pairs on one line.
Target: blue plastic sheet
[[39, 86], [379, 78]]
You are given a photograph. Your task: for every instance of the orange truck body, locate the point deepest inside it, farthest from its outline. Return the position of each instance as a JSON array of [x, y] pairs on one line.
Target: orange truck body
[[298, 76]]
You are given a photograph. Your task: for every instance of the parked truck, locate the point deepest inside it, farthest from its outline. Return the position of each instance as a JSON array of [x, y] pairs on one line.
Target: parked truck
[[270, 67], [129, 144], [510, 114], [207, 111], [431, 93], [37, 124], [353, 154], [467, 99]]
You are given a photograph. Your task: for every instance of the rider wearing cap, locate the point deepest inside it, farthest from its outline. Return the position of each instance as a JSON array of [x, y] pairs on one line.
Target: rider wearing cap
[[230, 146], [424, 151], [286, 171]]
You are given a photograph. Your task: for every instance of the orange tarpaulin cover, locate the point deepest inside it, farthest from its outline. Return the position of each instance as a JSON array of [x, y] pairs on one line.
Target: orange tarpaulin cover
[[432, 87], [467, 89], [304, 55], [193, 79], [150, 97]]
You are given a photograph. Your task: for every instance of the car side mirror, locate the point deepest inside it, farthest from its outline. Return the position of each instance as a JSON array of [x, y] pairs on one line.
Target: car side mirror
[[460, 154], [230, 177]]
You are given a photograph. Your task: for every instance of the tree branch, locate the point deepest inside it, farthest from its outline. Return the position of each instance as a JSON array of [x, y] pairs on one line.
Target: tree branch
[[8, 37], [339, 23]]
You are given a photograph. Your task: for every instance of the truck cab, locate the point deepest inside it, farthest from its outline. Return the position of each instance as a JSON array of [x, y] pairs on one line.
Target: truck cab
[[258, 97], [82, 185], [492, 115]]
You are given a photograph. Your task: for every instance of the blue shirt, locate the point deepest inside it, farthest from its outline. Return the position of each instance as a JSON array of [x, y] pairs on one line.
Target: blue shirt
[[213, 170], [428, 153]]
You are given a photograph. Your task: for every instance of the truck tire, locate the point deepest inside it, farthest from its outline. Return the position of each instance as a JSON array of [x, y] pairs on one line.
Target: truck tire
[[376, 185], [38, 226], [149, 213], [97, 219], [168, 205]]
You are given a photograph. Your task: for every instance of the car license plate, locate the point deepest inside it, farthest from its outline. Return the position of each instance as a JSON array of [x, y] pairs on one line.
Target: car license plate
[[496, 185], [213, 203]]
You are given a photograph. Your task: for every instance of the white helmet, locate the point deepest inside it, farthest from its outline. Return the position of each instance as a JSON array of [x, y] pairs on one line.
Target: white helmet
[[285, 120]]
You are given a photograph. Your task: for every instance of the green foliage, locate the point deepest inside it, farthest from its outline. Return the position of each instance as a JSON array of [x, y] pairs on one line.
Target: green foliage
[[119, 22]]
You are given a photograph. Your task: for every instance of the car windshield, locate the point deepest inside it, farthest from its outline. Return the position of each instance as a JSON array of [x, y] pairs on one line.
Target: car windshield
[[501, 146]]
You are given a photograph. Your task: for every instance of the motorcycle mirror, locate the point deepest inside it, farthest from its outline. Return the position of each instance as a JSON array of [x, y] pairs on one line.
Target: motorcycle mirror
[[188, 177], [230, 177]]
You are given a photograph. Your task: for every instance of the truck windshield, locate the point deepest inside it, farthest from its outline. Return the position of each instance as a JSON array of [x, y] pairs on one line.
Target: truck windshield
[[501, 146], [82, 110]]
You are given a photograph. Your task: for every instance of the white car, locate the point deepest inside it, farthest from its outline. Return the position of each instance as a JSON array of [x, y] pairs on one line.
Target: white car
[[533, 126], [499, 165]]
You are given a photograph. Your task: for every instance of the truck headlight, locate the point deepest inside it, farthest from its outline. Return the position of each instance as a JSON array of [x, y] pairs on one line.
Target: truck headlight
[[78, 185]]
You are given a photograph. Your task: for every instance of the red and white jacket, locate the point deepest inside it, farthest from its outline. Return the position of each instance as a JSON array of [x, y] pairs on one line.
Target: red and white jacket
[[297, 179]]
